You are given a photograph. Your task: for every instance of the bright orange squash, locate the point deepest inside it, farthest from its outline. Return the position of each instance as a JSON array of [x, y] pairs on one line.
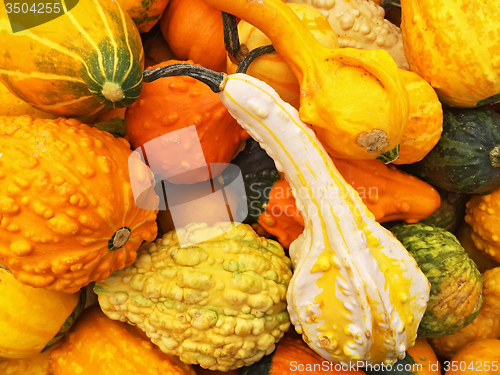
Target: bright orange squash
[[68, 211], [193, 30], [101, 346], [173, 103], [477, 357]]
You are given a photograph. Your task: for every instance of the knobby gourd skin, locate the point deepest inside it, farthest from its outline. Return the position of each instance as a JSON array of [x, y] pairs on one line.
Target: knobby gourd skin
[[453, 45], [361, 24], [354, 99], [218, 301], [68, 213], [356, 293], [95, 63]]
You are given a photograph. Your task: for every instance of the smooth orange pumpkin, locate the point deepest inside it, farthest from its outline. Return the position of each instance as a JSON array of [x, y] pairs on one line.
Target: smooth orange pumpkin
[[100, 346], [425, 358], [477, 357], [176, 103], [68, 212], [193, 30], [157, 50]]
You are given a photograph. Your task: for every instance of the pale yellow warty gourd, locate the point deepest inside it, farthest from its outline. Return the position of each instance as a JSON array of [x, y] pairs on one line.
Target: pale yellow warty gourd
[[356, 293]]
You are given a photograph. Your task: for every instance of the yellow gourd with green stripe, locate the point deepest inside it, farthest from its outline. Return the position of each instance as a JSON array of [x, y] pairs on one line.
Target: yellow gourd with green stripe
[[356, 293], [33, 319], [89, 58]]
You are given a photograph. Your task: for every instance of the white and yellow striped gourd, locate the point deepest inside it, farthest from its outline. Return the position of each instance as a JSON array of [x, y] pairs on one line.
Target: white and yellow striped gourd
[[356, 293]]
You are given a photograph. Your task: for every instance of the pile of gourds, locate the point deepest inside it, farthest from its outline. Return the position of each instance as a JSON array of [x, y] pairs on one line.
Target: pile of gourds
[[368, 151]]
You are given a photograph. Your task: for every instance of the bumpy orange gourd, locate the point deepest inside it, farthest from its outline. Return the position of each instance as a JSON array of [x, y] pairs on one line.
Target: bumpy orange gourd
[[485, 326], [35, 365], [270, 67], [69, 215], [144, 13], [193, 29], [101, 346], [173, 103], [477, 357], [483, 215], [388, 193], [425, 121], [452, 44]]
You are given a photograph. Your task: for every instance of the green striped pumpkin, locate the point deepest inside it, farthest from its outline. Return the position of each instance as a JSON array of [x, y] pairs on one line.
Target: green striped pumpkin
[[456, 283], [467, 157], [89, 58]]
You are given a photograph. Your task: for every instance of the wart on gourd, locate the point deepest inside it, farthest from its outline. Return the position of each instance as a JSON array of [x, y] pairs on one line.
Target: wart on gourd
[[363, 315], [335, 84]]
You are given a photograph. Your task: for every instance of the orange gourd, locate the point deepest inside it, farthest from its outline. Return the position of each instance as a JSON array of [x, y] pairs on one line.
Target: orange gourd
[[477, 357], [157, 50], [193, 30], [173, 103], [35, 365], [100, 346], [425, 121], [424, 357], [388, 193], [270, 67], [144, 13], [68, 212]]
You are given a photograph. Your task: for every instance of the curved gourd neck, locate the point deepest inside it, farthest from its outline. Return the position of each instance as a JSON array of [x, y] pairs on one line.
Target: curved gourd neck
[[290, 38]]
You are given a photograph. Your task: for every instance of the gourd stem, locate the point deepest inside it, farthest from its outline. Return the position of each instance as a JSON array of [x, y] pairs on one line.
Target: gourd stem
[[215, 80], [252, 55], [290, 37], [234, 49], [495, 157], [390, 5]]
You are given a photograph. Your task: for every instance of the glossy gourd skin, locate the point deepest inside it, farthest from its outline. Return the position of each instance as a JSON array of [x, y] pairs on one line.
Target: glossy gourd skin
[[69, 215], [270, 67], [466, 159], [30, 318], [193, 29], [96, 62], [452, 44], [365, 314], [339, 105], [101, 346]]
